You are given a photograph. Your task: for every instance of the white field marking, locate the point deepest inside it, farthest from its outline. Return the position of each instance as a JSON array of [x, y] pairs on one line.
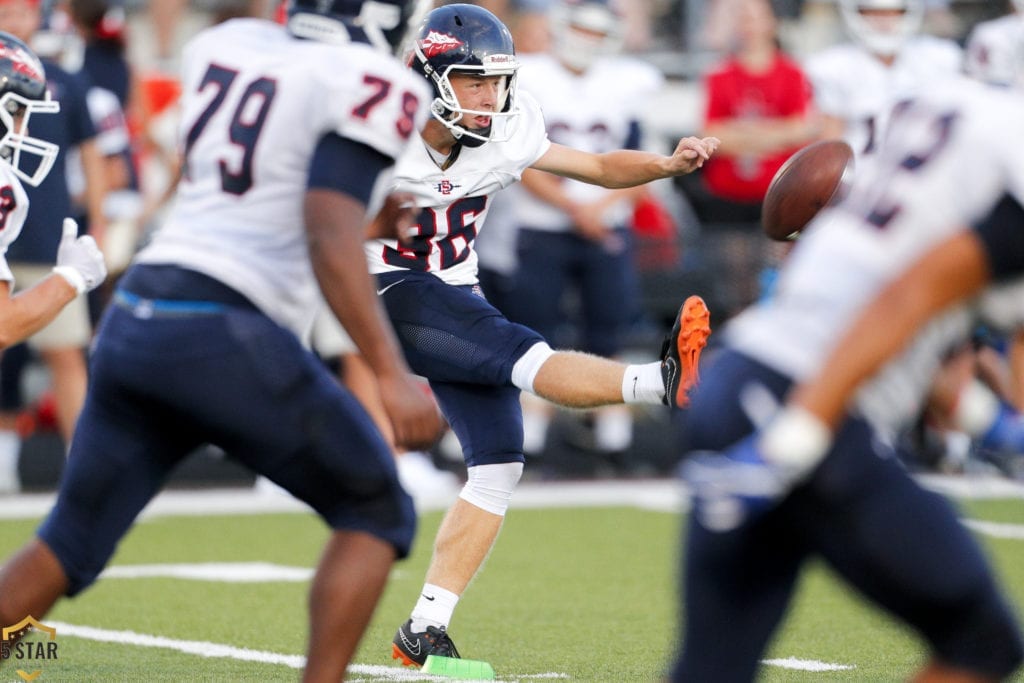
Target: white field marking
[[996, 529], [203, 648], [193, 647], [230, 572], [667, 495], [807, 664]]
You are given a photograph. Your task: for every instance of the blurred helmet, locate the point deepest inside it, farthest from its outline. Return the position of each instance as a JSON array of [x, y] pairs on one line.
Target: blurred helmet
[[1019, 5], [884, 36], [467, 39], [23, 92], [584, 30], [383, 23]]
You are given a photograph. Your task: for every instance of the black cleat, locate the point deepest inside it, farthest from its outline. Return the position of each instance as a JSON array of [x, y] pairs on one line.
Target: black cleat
[[680, 354], [414, 648]]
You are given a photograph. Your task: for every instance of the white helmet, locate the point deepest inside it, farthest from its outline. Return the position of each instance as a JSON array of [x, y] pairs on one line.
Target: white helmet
[[585, 30], [883, 38]]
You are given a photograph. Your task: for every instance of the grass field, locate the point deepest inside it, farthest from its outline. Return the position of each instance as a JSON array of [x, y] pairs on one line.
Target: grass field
[[580, 591]]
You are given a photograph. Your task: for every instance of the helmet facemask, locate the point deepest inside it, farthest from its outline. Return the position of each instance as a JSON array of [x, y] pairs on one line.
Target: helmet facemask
[[17, 146], [883, 36]]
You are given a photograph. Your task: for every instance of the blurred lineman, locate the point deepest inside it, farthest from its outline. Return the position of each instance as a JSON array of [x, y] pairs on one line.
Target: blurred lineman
[[28, 159], [793, 492], [482, 136], [574, 235], [857, 84], [286, 134], [993, 52]]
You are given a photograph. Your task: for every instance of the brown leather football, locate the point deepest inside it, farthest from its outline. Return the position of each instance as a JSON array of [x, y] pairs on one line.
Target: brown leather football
[[809, 180]]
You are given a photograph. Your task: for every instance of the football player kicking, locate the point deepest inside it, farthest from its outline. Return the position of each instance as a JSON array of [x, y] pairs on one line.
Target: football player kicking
[[286, 133], [482, 135], [935, 219]]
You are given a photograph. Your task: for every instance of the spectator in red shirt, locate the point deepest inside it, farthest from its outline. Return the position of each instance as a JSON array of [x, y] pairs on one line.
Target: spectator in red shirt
[[759, 106]]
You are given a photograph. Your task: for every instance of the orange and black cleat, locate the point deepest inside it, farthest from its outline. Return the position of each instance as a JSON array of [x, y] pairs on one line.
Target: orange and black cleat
[[414, 648], [680, 354]]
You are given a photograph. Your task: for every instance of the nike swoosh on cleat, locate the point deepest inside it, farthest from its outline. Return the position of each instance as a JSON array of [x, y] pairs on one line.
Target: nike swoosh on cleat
[[409, 645], [384, 289]]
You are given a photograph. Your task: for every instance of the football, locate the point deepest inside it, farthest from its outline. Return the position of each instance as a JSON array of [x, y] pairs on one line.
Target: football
[[809, 180]]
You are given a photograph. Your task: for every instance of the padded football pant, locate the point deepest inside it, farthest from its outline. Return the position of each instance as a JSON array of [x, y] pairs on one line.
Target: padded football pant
[[466, 349], [170, 375], [899, 545]]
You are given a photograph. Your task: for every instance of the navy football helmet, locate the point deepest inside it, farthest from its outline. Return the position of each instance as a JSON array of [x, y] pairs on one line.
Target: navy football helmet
[[464, 38], [23, 92], [383, 23]]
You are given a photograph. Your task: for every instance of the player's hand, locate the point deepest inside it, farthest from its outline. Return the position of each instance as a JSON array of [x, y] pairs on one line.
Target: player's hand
[[79, 260], [736, 486], [394, 219], [691, 153], [414, 414]]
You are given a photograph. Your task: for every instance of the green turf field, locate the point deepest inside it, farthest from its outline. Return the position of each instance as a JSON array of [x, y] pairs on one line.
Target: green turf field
[[585, 594]]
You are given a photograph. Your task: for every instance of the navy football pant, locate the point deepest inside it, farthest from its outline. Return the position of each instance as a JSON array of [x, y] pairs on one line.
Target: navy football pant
[[161, 385], [899, 545], [466, 349]]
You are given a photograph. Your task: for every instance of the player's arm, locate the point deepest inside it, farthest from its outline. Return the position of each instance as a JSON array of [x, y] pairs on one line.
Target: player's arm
[[952, 271], [342, 176], [80, 268], [626, 167]]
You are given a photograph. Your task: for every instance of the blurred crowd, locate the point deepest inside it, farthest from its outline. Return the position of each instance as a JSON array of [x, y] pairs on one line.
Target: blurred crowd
[[597, 270]]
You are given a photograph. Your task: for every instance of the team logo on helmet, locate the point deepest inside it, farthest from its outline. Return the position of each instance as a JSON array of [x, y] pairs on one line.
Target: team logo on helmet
[[21, 61], [438, 43]]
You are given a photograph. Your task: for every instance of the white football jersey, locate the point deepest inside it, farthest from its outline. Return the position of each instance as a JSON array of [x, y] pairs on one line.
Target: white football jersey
[[454, 202], [591, 112], [894, 398], [852, 84], [951, 156], [256, 101], [995, 51], [13, 211]]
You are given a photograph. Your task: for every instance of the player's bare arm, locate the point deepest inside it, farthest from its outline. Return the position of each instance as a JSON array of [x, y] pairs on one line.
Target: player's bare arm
[[335, 228], [394, 218], [626, 168], [31, 310], [951, 272]]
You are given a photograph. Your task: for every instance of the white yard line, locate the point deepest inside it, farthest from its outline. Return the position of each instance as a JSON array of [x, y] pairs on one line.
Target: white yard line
[[652, 494], [807, 664], [202, 648]]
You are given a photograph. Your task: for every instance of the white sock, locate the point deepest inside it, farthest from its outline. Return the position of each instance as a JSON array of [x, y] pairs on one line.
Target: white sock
[[434, 608], [10, 448], [643, 384]]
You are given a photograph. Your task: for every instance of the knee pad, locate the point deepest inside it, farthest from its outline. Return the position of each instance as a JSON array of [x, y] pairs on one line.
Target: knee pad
[[490, 487], [526, 368]]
